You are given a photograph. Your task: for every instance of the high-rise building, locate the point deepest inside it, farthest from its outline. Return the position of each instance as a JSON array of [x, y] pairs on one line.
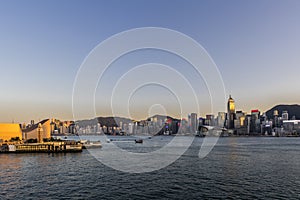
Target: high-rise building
[[210, 120], [276, 118], [285, 115], [248, 123], [221, 119], [255, 121], [239, 119], [130, 128], [230, 113], [194, 122]]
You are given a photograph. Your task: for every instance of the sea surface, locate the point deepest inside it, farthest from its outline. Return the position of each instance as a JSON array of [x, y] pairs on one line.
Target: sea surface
[[236, 168]]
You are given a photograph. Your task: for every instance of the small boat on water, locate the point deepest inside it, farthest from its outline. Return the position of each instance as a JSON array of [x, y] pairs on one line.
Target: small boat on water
[[86, 144], [138, 141]]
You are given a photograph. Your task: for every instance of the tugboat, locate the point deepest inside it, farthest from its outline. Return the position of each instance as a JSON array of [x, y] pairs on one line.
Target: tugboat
[[138, 141]]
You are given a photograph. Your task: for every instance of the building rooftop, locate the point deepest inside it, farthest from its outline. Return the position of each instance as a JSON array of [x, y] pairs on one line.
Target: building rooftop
[[35, 126]]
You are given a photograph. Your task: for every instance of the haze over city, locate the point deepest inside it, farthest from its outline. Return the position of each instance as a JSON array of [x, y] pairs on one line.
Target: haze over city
[[255, 45]]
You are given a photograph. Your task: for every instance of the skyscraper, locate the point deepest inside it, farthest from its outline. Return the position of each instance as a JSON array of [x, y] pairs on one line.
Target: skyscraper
[[194, 123], [285, 115], [221, 119], [230, 113], [255, 121]]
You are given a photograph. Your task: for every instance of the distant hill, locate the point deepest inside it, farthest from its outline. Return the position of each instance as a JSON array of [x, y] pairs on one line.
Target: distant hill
[[163, 117], [104, 121], [87, 122], [113, 121], [293, 110]]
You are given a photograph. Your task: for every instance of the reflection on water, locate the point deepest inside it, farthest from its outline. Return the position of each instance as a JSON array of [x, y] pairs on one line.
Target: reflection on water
[[236, 168]]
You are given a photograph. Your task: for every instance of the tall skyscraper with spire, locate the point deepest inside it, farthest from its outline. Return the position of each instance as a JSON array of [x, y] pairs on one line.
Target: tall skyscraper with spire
[[230, 113]]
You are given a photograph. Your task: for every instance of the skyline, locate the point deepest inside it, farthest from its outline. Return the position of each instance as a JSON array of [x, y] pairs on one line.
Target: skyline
[[166, 115], [255, 45]]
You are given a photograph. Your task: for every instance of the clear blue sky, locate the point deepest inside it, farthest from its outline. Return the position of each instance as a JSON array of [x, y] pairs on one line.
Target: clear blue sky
[[255, 44]]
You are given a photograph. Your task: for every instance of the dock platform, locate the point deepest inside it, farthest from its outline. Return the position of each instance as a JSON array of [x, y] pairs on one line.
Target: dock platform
[[47, 147]]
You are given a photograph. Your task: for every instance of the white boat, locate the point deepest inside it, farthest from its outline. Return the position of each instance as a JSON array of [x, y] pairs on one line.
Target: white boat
[[212, 131], [86, 144]]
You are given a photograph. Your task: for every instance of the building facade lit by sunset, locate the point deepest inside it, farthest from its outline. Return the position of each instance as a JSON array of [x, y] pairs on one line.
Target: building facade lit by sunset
[[230, 113], [9, 131], [33, 131]]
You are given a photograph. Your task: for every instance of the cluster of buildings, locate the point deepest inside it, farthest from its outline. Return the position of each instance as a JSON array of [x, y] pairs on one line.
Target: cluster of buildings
[[255, 124], [232, 122], [35, 132], [155, 125]]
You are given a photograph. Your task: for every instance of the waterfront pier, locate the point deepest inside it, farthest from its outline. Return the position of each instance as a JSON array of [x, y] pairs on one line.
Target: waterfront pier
[[47, 147]]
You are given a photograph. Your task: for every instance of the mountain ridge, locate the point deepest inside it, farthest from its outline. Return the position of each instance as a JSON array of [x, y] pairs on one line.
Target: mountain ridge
[[292, 109]]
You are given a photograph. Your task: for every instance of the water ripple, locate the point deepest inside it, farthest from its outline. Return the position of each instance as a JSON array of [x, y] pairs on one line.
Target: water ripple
[[237, 168]]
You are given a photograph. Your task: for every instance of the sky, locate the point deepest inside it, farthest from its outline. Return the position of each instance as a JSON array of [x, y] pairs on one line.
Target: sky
[[254, 43]]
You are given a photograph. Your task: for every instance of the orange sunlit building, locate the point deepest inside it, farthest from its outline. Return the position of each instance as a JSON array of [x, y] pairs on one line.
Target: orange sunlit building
[[9, 131]]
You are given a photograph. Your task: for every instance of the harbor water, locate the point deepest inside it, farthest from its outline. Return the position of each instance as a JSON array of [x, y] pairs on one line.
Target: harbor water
[[237, 168]]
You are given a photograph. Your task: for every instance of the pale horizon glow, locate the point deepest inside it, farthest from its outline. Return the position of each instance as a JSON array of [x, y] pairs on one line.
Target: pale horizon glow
[[255, 45]]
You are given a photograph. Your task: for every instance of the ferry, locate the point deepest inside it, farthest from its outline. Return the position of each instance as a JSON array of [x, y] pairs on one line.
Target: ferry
[[86, 144], [213, 131]]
